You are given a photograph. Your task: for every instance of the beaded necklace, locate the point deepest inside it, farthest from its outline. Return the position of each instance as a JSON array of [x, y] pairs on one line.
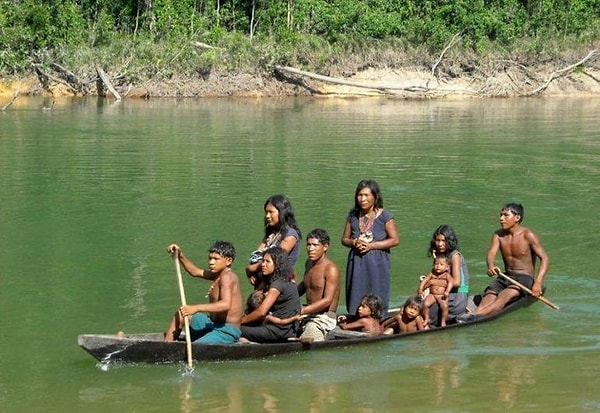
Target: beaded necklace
[[365, 225]]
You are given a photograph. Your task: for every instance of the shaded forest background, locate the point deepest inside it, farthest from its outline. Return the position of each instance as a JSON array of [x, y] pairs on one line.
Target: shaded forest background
[[136, 41]]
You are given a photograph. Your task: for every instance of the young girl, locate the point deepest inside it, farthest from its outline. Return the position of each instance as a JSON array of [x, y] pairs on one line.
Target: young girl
[[445, 242], [368, 316], [280, 230], [409, 318], [439, 283]]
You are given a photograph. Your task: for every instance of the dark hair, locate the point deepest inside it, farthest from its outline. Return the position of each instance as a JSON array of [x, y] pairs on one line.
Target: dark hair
[[374, 187], [283, 269], [374, 303], [320, 234], [225, 248], [516, 209], [287, 218], [254, 301], [451, 239], [444, 257], [415, 301]]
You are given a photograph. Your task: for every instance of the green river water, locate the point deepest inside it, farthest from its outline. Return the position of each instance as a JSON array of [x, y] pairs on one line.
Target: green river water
[[91, 193]]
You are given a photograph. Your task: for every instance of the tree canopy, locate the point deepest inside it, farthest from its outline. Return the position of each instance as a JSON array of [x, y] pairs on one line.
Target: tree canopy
[[31, 27]]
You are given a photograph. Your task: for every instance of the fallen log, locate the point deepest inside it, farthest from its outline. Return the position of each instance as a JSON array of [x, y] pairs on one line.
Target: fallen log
[[69, 77], [45, 79], [106, 80], [384, 88]]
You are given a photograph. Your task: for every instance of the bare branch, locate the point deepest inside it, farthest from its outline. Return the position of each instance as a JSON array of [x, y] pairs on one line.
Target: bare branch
[[448, 46], [563, 72], [11, 101]]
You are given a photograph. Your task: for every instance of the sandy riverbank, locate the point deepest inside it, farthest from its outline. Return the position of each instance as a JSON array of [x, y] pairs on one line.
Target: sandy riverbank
[[504, 81]]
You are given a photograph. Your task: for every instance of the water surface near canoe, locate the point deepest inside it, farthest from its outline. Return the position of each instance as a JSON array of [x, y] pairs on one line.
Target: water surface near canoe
[[91, 194]]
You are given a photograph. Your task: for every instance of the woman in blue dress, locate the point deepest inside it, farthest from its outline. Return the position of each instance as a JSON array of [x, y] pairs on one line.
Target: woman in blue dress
[[370, 232]]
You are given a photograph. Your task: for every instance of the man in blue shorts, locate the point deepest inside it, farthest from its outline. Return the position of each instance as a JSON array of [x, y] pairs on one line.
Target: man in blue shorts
[[225, 310]]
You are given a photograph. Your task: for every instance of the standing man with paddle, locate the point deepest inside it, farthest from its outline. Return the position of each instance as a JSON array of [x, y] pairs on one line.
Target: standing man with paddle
[[520, 248], [225, 310]]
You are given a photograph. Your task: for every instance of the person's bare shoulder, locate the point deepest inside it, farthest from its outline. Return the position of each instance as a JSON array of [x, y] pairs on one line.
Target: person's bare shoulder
[[229, 277]]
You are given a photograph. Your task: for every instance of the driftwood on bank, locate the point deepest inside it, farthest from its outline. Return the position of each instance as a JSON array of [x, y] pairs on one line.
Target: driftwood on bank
[[563, 72], [490, 85], [106, 80], [383, 88], [439, 59], [70, 78], [45, 78], [11, 101]]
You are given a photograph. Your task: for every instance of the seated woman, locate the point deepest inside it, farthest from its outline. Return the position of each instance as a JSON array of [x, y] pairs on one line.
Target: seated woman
[[444, 241], [280, 230], [281, 300]]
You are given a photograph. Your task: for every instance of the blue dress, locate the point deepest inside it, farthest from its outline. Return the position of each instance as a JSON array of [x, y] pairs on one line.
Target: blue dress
[[368, 273]]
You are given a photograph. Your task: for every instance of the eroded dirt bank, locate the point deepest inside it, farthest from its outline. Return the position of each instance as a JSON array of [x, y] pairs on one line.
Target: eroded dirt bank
[[505, 80]]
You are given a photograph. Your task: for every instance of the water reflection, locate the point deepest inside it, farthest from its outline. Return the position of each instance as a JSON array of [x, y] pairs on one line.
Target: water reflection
[[445, 376]]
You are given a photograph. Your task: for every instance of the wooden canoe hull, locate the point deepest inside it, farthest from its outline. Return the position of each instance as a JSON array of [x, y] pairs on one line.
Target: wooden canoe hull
[[151, 348]]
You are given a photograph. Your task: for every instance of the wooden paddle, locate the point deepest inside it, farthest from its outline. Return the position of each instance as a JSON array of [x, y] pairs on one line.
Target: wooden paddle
[[188, 338], [527, 290]]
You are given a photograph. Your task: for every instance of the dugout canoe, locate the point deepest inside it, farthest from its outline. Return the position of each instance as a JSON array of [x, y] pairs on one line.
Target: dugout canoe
[[151, 348]]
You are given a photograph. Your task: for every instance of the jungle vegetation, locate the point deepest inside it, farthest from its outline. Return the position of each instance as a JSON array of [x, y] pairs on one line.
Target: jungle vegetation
[[161, 37]]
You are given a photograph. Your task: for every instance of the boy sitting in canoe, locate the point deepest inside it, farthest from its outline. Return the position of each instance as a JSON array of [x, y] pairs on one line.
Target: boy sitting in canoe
[[225, 309], [409, 318], [520, 247], [368, 316]]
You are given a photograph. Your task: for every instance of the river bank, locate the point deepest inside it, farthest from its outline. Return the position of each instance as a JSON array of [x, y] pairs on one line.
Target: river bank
[[497, 79]]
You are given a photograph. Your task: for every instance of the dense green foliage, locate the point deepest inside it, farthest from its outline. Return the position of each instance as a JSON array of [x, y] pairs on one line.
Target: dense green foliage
[[263, 32]]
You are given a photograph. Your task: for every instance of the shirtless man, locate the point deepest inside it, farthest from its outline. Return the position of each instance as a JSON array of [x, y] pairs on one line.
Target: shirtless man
[[520, 247], [321, 284], [225, 309]]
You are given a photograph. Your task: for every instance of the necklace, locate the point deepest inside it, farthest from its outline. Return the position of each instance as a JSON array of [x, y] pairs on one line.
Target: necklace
[[365, 226], [212, 286], [273, 239]]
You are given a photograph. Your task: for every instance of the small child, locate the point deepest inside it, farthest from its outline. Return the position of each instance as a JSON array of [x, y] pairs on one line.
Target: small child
[[368, 316], [409, 318], [439, 282], [254, 300]]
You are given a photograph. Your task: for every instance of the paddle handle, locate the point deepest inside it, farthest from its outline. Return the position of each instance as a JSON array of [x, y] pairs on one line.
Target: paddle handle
[[527, 290], [186, 321]]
